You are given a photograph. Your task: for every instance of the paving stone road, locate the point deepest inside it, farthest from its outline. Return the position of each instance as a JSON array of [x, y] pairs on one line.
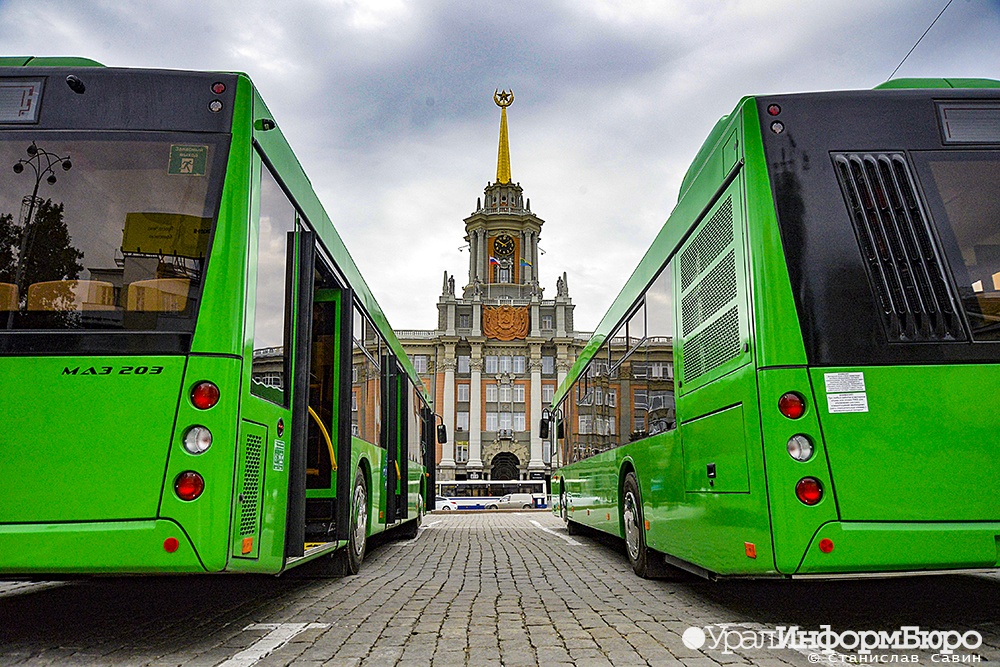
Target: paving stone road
[[490, 590]]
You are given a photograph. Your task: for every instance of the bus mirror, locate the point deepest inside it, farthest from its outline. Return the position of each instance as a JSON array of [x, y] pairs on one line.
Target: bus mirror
[[543, 429], [442, 433], [560, 432]]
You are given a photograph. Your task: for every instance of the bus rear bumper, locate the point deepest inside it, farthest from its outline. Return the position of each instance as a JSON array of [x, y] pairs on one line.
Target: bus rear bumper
[[860, 547], [119, 547]]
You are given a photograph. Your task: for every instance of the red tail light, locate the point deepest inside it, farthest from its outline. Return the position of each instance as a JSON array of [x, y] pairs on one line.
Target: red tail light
[[792, 405], [826, 545], [204, 395], [189, 485], [809, 490]]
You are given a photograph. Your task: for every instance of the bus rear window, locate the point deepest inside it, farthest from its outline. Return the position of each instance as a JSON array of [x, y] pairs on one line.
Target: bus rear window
[[963, 191], [106, 230]]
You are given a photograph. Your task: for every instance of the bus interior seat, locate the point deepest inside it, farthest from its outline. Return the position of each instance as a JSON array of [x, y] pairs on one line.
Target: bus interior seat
[[162, 295], [8, 297], [70, 295]]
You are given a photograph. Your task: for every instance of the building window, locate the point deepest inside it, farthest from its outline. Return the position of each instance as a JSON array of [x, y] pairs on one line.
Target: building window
[[519, 393], [420, 363], [505, 393], [461, 452], [501, 274], [611, 400], [463, 392], [492, 421], [505, 364], [586, 424], [463, 363], [548, 393], [547, 322], [462, 421], [491, 364], [505, 421], [464, 321], [640, 401], [548, 365], [518, 366], [519, 421], [491, 394]]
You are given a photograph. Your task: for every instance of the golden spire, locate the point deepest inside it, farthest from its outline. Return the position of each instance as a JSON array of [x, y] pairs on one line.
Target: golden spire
[[503, 99]]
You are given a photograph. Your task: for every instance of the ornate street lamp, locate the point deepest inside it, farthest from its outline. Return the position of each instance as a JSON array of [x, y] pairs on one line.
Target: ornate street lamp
[[42, 162]]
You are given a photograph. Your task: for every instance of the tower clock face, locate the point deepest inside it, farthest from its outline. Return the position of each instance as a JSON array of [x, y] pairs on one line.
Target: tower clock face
[[503, 246]]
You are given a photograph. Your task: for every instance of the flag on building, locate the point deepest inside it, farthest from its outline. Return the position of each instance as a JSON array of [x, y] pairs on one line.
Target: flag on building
[[494, 260]]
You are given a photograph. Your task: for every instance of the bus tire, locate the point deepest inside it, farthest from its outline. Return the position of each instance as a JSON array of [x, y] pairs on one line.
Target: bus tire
[[357, 538], [645, 562], [410, 529], [573, 528]]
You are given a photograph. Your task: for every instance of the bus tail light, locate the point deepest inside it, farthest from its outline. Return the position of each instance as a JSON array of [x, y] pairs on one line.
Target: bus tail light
[[197, 440], [205, 395], [809, 490], [826, 545], [171, 544], [792, 405], [189, 485]]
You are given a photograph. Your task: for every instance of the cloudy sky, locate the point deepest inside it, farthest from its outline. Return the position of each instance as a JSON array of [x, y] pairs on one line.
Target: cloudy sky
[[388, 104]]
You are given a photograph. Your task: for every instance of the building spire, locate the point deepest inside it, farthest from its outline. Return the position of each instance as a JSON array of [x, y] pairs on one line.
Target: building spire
[[503, 99]]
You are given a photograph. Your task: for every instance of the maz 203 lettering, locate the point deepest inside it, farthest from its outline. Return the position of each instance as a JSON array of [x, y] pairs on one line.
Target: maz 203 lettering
[[112, 370]]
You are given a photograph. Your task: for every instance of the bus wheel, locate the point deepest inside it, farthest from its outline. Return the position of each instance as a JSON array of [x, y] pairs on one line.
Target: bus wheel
[[410, 528], [635, 534], [358, 536]]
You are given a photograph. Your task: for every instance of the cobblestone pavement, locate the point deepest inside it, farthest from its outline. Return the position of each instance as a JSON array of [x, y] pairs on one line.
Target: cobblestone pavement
[[479, 590]]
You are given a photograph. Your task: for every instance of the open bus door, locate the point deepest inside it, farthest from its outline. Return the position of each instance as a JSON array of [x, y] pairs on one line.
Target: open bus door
[[320, 449]]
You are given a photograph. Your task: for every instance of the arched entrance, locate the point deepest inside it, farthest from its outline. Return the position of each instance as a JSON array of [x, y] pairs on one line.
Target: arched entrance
[[505, 465]]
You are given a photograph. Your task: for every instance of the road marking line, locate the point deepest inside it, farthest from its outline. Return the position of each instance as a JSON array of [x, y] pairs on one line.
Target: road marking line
[[569, 540], [279, 635], [432, 523]]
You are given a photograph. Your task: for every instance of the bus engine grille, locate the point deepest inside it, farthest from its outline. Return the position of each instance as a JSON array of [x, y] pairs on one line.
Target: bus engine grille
[[899, 249]]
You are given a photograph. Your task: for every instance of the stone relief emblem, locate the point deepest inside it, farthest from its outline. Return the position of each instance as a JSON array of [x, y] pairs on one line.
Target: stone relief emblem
[[505, 322]]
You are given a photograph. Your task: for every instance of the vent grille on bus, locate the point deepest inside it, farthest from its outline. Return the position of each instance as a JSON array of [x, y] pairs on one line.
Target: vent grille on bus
[[714, 346], [899, 248], [711, 241], [251, 485], [716, 290]]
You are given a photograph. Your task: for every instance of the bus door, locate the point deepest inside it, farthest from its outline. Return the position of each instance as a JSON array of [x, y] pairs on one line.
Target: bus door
[[429, 451], [391, 428], [322, 442]]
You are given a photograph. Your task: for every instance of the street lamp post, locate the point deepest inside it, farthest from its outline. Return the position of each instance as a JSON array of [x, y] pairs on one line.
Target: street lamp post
[[41, 162]]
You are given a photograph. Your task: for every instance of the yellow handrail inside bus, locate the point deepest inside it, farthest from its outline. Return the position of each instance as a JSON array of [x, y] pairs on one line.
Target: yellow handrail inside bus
[[326, 436]]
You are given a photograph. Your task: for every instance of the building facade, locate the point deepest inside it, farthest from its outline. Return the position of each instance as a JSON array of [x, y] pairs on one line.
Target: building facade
[[501, 348]]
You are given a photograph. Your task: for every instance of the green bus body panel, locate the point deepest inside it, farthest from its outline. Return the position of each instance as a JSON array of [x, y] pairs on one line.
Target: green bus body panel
[[716, 440], [47, 61], [865, 547], [937, 83], [104, 462], [922, 451], [96, 548]]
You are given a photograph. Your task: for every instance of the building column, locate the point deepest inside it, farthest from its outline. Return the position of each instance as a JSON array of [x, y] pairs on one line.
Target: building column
[[537, 462], [481, 258], [475, 463], [448, 413]]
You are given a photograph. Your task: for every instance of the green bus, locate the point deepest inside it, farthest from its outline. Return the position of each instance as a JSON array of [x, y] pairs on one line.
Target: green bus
[[791, 382], [196, 377]]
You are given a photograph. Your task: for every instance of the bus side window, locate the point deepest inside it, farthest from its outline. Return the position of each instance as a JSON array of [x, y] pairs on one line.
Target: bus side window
[[659, 353], [270, 363]]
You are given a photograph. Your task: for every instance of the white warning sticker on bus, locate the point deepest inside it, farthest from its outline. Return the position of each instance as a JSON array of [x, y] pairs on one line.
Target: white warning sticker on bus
[[838, 383], [856, 401]]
